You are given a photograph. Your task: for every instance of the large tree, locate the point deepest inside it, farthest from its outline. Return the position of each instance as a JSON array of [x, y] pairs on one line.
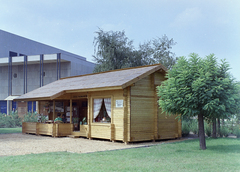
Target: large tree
[[113, 50], [199, 87]]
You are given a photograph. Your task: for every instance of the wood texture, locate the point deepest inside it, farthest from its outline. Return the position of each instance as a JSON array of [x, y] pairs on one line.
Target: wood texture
[[142, 110], [83, 130], [54, 130], [29, 127]]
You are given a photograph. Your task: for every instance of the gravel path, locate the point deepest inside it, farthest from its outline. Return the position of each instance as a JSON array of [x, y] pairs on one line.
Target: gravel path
[[21, 144]]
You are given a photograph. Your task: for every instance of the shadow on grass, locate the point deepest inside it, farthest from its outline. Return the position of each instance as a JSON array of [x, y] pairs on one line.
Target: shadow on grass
[[225, 148]]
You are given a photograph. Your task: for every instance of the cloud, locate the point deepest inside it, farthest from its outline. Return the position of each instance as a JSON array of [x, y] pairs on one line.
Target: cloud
[[186, 18]]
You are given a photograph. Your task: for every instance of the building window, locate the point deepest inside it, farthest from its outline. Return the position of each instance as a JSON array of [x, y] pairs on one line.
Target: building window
[[3, 107], [102, 110], [14, 106], [30, 106]]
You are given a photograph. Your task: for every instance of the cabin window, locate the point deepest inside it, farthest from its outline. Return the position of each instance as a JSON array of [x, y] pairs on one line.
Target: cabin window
[[102, 110]]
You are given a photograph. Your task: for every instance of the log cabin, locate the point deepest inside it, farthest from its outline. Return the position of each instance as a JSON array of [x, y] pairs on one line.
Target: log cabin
[[118, 105]]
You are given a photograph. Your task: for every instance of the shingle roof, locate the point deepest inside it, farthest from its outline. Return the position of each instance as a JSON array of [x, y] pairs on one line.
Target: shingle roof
[[115, 79]]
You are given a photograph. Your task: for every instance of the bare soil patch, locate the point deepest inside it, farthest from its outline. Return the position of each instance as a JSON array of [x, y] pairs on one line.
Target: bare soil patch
[[21, 144]]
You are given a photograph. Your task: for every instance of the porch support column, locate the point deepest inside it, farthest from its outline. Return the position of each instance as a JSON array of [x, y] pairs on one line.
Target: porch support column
[[37, 107], [71, 111], [8, 106], [89, 116], [53, 109], [32, 107]]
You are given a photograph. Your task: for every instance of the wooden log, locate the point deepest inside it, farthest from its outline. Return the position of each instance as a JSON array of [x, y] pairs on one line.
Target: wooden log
[[112, 129]]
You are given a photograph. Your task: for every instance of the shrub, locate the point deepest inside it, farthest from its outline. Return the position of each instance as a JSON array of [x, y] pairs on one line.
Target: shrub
[[30, 117], [194, 126], [224, 131], [208, 129], [2, 120], [10, 121], [185, 128], [236, 130]]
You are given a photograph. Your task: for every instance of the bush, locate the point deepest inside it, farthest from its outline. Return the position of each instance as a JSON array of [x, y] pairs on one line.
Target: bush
[[30, 117], [185, 128], [224, 131], [194, 126], [236, 131], [208, 129], [10, 121]]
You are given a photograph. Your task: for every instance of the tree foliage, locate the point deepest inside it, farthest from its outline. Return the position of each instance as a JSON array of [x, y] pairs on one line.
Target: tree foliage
[[200, 87], [113, 50]]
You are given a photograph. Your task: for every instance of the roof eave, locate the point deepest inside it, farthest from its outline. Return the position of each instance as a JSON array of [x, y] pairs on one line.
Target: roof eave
[[157, 68]]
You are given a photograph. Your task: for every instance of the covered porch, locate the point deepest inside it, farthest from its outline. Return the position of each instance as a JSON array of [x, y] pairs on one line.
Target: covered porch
[[86, 116], [73, 107]]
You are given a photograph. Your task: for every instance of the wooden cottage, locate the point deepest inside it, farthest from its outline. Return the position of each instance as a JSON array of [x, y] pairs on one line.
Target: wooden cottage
[[116, 105]]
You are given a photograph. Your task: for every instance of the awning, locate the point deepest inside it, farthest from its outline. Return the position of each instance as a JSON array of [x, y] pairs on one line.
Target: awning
[[11, 97]]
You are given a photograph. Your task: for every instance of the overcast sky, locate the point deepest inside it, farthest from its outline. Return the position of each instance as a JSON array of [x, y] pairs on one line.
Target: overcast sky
[[200, 26]]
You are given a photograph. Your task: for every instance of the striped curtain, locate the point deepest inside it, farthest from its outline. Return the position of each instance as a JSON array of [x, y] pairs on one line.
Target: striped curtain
[[107, 103], [96, 107]]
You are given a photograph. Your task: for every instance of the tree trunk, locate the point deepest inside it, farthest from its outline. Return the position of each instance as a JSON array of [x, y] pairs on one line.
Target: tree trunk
[[201, 132], [218, 131], [214, 128]]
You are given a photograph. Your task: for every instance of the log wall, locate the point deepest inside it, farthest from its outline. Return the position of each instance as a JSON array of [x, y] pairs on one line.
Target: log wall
[[168, 126], [113, 130], [142, 110]]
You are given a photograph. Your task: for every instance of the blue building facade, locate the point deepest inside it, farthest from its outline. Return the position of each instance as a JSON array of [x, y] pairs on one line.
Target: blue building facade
[[26, 65]]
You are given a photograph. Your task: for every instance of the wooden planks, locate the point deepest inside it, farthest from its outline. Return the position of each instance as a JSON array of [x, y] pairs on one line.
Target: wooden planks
[[83, 130], [168, 126], [29, 127], [142, 110], [102, 131], [54, 130]]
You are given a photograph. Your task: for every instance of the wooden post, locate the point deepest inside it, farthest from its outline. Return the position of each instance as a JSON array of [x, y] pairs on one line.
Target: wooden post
[[32, 107], [126, 115], [112, 132], [37, 107], [71, 111], [53, 109], [37, 128], [57, 128], [89, 114]]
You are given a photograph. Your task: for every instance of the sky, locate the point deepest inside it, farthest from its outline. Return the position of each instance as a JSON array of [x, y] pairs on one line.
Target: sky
[[199, 26]]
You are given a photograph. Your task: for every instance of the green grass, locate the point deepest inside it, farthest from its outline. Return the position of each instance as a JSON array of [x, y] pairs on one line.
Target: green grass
[[10, 130], [222, 154]]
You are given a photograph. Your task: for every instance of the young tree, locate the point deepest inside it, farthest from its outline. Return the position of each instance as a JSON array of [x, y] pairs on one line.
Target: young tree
[[113, 50], [199, 87]]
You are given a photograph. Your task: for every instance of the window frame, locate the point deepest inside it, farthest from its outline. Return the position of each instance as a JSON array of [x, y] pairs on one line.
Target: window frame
[[92, 110]]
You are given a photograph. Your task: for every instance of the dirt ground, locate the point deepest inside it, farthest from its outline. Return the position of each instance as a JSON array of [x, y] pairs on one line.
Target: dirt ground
[[21, 144]]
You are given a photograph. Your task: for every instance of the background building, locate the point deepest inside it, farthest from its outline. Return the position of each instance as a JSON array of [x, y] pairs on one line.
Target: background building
[[26, 65]]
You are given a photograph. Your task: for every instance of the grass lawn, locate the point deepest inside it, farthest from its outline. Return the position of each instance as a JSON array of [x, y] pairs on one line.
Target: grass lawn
[[10, 130], [222, 154]]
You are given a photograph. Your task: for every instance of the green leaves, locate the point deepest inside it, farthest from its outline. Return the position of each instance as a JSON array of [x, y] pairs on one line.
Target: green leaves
[[113, 50], [200, 85]]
